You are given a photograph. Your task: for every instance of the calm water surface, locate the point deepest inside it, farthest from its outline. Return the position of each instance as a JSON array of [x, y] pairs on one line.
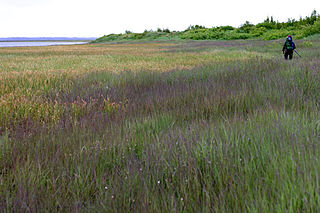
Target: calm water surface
[[38, 43]]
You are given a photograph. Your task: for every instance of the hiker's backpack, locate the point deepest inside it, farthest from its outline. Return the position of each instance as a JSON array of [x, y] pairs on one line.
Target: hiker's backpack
[[289, 45]]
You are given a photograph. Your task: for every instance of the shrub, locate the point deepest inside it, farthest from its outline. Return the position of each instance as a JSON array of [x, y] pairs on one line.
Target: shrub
[[269, 24], [225, 28], [195, 27], [267, 30], [310, 29], [246, 27], [258, 31], [275, 34]]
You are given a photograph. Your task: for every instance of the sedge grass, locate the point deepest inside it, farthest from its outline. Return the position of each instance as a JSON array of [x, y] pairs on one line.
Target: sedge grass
[[187, 127]]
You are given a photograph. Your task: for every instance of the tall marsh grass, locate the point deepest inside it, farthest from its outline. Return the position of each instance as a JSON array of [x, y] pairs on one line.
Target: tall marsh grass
[[179, 127]]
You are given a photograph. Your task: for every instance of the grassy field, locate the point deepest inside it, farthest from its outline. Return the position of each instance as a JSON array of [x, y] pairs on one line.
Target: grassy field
[[193, 126]]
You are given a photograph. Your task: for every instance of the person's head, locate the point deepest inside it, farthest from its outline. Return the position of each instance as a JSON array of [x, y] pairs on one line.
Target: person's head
[[290, 37]]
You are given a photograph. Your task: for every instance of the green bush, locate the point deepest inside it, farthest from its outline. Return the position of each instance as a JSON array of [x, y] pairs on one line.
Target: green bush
[[275, 34], [268, 24], [310, 29], [246, 27], [267, 30], [225, 28], [258, 31]]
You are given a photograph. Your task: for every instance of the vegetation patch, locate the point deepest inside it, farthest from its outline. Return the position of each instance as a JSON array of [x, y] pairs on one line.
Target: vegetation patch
[[183, 126], [267, 30]]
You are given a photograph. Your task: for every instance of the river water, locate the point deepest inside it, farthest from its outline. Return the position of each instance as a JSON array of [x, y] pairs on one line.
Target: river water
[[38, 43]]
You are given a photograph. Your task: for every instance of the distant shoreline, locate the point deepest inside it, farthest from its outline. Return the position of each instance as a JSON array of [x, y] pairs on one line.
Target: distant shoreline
[[47, 39], [40, 43]]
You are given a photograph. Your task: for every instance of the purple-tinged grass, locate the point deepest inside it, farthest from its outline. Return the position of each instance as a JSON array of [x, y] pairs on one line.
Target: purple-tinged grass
[[233, 135]]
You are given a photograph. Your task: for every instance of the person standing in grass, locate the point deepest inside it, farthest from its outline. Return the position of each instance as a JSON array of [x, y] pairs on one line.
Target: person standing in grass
[[288, 48]]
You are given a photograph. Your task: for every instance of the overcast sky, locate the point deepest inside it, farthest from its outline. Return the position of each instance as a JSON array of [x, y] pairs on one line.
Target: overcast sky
[[95, 18]]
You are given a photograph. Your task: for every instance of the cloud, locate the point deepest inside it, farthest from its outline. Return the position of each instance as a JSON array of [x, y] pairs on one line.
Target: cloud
[[99, 17]]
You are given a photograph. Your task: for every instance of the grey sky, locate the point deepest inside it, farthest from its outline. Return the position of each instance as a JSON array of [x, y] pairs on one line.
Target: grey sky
[[97, 17], [22, 3]]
